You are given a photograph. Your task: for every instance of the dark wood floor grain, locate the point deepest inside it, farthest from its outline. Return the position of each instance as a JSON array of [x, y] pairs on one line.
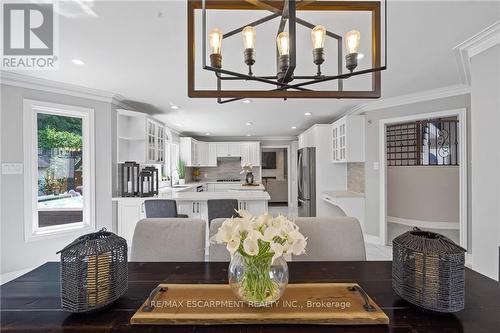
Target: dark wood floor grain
[[31, 303]]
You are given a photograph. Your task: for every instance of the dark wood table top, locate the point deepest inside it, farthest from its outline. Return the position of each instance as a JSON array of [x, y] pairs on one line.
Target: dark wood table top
[[31, 302]]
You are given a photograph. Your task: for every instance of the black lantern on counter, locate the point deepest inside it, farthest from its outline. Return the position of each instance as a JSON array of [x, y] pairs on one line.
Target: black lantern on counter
[[146, 183], [129, 179], [156, 181]]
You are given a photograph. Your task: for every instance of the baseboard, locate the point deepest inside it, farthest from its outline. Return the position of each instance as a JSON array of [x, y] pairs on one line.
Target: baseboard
[[372, 239]]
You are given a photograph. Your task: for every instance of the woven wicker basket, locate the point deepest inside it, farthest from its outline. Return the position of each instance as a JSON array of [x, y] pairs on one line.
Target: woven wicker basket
[[428, 271], [93, 271]]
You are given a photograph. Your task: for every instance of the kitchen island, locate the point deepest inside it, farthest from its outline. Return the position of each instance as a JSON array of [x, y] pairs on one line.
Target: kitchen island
[[189, 202]]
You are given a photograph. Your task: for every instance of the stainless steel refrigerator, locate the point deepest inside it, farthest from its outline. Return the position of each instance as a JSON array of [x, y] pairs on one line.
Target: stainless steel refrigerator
[[306, 173]]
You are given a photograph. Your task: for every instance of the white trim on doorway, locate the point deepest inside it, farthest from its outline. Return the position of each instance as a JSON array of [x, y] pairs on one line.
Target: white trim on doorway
[[462, 121]]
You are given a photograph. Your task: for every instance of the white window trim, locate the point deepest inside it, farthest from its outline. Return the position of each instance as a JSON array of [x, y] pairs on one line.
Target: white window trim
[[30, 111]]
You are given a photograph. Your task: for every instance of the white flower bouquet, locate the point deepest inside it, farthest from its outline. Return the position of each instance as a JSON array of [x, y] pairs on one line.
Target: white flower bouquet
[[260, 241]]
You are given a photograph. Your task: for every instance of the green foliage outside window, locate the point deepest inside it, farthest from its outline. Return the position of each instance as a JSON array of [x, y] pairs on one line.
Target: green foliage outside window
[[49, 138]]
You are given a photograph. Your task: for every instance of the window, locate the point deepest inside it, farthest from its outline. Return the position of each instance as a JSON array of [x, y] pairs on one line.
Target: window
[[59, 163], [426, 142]]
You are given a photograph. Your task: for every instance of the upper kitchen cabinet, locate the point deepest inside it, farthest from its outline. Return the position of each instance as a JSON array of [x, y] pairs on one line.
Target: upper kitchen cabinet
[[348, 139], [196, 153], [140, 138], [250, 153], [228, 149]]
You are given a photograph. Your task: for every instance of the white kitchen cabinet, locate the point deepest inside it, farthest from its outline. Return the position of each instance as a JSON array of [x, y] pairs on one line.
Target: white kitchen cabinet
[[129, 213], [189, 151], [255, 207], [348, 139], [196, 153], [140, 138], [212, 154], [151, 151], [250, 153], [228, 149], [193, 209], [160, 143]]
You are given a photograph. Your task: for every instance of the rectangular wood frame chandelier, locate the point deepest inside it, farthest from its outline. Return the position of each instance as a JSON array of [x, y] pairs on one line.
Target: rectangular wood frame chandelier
[[284, 84]]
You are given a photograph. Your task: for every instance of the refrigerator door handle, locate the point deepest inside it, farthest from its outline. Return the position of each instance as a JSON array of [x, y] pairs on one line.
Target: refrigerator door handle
[[299, 172]]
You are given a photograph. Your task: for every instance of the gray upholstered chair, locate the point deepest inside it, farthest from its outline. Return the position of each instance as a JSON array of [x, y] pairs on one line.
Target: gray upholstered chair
[[336, 238], [217, 252], [170, 239], [221, 208], [161, 208]]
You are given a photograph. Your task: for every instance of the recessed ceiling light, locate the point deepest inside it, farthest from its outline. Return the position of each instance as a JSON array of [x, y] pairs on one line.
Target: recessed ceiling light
[[249, 123], [207, 134], [78, 62], [249, 134], [308, 114], [178, 125], [360, 56], [174, 107], [294, 127], [246, 101]]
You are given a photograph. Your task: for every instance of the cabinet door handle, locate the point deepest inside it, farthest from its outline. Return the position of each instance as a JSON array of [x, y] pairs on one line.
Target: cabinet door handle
[[142, 207], [197, 207], [193, 208]]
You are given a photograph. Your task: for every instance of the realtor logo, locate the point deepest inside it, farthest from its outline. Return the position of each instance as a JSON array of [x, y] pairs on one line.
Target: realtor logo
[[28, 36]]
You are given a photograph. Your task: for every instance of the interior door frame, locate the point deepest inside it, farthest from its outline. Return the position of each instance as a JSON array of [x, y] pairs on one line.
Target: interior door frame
[[289, 169], [462, 149]]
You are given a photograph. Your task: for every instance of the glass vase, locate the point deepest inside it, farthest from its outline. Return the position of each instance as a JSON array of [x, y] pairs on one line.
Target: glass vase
[[256, 280]]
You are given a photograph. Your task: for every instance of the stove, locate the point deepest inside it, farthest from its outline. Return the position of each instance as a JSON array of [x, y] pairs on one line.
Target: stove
[[229, 180]]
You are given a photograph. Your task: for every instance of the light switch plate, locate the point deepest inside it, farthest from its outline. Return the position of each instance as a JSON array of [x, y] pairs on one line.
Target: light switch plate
[[376, 165], [12, 168]]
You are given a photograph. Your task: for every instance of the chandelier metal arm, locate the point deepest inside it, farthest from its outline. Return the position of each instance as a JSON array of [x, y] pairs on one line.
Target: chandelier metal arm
[[253, 24], [337, 77], [218, 71]]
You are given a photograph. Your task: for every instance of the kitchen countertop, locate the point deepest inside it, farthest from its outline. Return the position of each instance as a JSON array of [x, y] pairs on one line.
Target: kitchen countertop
[[343, 194], [244, 193]]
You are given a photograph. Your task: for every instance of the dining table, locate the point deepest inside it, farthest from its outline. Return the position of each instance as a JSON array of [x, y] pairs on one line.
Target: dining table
[[31, 302]]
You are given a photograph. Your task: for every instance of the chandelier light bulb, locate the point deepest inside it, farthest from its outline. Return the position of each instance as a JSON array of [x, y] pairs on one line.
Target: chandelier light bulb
[[215, 40], [352, 41], [318, 37], [249, 36], [283, 42]]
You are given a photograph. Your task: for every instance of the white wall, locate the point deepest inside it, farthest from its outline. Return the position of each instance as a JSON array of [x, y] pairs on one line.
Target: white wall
[[424, 193], [16, 254], [372, 146], [485, 125]]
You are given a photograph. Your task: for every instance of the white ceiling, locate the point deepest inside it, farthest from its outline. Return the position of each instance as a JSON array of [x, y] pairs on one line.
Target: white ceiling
[[138, 49]]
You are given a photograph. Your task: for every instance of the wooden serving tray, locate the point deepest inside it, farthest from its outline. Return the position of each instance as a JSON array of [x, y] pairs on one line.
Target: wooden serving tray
[[308, 303]]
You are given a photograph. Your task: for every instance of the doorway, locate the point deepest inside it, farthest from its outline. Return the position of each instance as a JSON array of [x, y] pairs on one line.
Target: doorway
[[424, 175], [275, 177]]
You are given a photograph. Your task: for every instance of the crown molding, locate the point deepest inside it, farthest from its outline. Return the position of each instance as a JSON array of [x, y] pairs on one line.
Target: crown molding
[[422, 96], [474, 45], [30, 82], [241, 138]]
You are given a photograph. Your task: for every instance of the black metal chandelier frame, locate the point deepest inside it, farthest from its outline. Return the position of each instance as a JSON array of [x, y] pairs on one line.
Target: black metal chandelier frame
[[284, 88]]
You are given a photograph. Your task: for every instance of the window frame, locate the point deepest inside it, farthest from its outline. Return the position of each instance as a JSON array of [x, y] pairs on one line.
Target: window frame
[[31, 109]]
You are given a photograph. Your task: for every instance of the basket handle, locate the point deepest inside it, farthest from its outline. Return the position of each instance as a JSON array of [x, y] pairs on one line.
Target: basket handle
[[443, 238], [81, 240]]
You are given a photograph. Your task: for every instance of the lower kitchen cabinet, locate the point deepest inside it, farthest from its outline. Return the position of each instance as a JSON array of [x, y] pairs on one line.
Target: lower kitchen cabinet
[[129, 213], [254, 207], [193, 209]]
